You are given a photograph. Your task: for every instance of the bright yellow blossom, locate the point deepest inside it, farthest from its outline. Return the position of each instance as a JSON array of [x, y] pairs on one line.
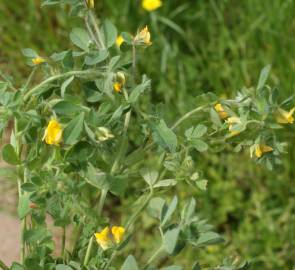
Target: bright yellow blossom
[[143, 37], [232, 121], [261, 149], [117, 86], [151, 5], [90, 3], [118, 233], [119, 41], [103, 238], [285, 117], [53, 132], [220, 110], [38, 60]]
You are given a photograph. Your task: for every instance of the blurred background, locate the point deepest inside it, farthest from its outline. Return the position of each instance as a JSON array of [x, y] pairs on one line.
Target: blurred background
[[198, 46]]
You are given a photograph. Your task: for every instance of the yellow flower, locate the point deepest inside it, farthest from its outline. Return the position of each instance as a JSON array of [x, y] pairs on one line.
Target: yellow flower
[[117, 86], [38, 60], [119, 41], [90, 3], [53, 132], [261, 149], [118, 233], [232, 121], [104, 134], [143, 37], [103, 238], [151, 5], [220, 110], [285, 117]]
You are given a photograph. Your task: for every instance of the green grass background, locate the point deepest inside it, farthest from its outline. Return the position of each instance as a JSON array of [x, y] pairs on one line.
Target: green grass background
[[198, 46]]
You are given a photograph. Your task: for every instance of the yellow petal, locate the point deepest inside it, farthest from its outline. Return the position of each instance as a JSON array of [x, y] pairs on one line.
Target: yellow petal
[[119, 41], [261, 149], [284, 117], [151, 5], [117, 86], [53, 132], [118, 233], [220, 110], [103, 238], [38, 60]]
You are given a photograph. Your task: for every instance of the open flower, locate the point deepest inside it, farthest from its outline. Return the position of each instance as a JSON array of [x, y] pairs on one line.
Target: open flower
[[220, 110], [143, 37], [151, 5], [118, 233], [261, 149], [119, 41], [284, 117], [38, 60], [53, 132], [103, 238], [232, 122]]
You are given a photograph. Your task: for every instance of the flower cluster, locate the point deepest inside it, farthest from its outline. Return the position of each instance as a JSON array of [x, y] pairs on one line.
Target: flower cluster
[[108, 237]]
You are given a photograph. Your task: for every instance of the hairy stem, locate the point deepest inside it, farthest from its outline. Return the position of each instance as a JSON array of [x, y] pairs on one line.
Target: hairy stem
[[88, 251], [58, 77]]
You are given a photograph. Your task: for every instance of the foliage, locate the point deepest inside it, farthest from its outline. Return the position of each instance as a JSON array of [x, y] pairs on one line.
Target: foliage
[[78, 91]]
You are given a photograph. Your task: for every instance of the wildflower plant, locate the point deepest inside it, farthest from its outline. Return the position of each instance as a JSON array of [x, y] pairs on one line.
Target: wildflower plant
[[91, 154]]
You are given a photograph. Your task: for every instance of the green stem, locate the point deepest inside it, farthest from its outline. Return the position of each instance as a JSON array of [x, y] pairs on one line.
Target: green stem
[[133, 61], [96, 28], [3, 265], [29, 79], [155, 255], [57, 77], [63, 242], [88, 251], [90, 32]]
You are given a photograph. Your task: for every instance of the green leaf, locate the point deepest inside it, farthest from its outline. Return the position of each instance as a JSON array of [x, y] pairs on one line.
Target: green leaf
[[164, 136], [167, 212], [110, 33], [9, 155], [138, 90], [66, 108], [65, 84], [96, 57], [170, 239], [263, 77], [23, 206], [165, 183], [215, 118], [208, 238], [16, 266], [196, 266], [127, 37], [29, 53], [130, 264], [74, 129], [196, 132], [155, 207], [80, 38], [188, 211], [150, 176], [63, 267], [200, 145]]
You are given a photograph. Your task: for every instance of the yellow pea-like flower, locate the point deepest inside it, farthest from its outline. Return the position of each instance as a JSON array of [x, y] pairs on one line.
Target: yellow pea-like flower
[[38, 60], [53, 132], [119, 41], [261, 149], [118, 233], [103, 238], [232, 121], [90, 3], [284, 117], [117, 86], [143, 37], [151, 5], [220, 110]]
